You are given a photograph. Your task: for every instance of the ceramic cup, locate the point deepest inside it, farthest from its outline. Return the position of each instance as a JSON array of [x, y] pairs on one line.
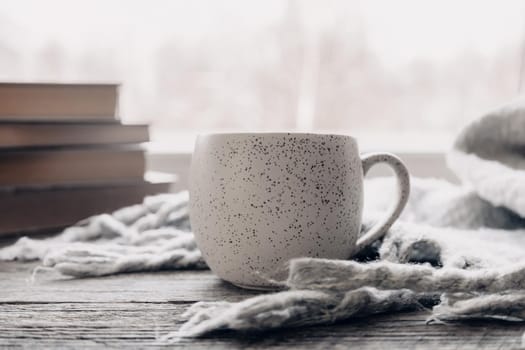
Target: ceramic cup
[[259, 199]]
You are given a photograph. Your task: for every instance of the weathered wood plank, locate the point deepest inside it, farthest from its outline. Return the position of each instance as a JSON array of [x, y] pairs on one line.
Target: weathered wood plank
[[136, 324], [126, 311], [15, 285]]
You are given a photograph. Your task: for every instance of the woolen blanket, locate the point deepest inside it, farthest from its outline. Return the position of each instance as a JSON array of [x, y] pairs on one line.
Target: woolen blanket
[[458, 248]]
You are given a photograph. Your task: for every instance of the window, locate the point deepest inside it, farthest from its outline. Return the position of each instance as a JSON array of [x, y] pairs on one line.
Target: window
[[398, 74]]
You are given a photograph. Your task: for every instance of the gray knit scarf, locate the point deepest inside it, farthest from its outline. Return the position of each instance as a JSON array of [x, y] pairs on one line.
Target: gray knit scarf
[[458, 248]]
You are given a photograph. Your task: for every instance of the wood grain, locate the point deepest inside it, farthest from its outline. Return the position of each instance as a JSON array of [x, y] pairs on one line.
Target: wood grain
[[180, 286], [127, 311]]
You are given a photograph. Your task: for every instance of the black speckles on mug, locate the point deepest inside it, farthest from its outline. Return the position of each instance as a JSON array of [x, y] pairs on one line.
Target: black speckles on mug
[[258, 200]]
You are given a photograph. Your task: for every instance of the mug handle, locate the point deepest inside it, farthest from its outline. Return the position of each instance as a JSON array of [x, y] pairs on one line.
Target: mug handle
[[403, 190]]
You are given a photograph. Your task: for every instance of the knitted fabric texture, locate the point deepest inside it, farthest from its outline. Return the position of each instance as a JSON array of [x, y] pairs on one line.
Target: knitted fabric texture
[[152, 236], [458, 247]]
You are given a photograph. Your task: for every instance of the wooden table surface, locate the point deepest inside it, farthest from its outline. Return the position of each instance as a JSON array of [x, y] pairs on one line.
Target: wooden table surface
[[125, 311]]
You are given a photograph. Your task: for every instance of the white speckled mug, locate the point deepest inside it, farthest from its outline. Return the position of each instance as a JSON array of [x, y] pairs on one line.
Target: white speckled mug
[[258, 200]]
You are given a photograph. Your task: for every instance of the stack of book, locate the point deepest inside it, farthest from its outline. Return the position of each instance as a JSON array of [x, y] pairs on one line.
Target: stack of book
[[65, 156]]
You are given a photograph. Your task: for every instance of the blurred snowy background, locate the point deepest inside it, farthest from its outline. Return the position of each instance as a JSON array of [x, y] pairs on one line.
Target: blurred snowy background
[[398, 74]]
